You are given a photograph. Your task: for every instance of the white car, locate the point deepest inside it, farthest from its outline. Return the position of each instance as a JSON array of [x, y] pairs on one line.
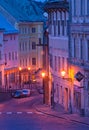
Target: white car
[[26, 92]]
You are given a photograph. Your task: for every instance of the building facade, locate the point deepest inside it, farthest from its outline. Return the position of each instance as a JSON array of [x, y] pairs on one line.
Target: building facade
[[58, 18], [79, 54], [30, 51], [8, 52], [1, 58]]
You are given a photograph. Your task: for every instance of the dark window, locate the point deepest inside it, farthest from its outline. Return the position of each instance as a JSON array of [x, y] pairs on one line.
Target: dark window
[[74, 48], [33, 30], [39, 40], [51, 61], [33, 61], [25, 45], [81, 48], [29, 45], [9, 56], [33, 45], [63, 63], [63, 27], [58, 27], [15, 55], [12, 55], [0, 55], [5, 58], [11, 37], [59, 63], [88, 7], [20, 46], [54, 28]]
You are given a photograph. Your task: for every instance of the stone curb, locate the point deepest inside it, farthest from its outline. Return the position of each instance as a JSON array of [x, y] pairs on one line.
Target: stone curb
[[65, 118]]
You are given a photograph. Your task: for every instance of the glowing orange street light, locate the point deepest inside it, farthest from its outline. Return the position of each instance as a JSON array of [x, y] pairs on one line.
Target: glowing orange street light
[[20, 68], [43, 74], [63, 73], [29, 68]]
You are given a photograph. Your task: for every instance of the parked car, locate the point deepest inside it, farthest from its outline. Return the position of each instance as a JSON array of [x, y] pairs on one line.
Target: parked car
[[16, 94], [26, 92], [21, 93]]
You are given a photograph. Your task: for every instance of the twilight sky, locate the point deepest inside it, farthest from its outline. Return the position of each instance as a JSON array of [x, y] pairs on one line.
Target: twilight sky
[[39, 0]]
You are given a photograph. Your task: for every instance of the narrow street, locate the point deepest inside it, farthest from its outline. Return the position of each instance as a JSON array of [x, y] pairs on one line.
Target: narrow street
[[20, 114]]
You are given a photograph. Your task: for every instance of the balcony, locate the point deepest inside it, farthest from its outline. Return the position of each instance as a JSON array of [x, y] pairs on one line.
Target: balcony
[[78, 62]]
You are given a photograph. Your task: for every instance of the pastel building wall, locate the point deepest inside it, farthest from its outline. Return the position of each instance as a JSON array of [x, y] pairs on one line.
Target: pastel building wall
[[58, 18], [79, 53]]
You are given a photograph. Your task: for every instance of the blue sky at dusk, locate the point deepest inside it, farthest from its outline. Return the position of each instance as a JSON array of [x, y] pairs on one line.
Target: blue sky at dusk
[[40, 0]]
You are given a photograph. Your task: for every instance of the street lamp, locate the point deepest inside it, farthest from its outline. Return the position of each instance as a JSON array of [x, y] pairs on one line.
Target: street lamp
[[29, 75], [20, 76], [63, 73], [43, 77]]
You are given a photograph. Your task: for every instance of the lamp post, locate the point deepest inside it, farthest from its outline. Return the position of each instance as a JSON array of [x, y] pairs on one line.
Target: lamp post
[[29, 75], [43, 77], [63, 73], [20, 76]]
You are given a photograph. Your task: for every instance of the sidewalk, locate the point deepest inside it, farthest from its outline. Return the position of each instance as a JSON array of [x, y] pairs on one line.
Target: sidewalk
[[61, 114]]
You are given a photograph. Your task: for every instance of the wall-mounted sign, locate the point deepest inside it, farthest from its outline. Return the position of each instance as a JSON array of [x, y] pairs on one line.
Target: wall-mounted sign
[[79, 76]]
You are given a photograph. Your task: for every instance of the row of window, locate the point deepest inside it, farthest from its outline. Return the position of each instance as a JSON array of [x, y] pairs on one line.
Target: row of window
[[27, 30], [24, 46], [11, 56], [25, 62], [58, 63], [12, 37], [81, 7], [58, 22], [79, 49], [59, 29]]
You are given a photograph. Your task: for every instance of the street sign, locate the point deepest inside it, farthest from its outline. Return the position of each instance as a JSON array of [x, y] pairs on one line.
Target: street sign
[[79, 76]]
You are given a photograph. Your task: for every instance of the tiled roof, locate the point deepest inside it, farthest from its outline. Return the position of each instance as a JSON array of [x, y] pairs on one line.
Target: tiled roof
[[24, 10], [5, 25]]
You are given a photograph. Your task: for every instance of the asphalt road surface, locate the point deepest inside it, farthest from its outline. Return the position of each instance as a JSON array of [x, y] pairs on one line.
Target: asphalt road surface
[[19, 114]]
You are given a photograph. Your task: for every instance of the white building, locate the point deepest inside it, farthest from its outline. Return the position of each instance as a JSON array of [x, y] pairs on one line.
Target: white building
[[79, 53], [58, 17]]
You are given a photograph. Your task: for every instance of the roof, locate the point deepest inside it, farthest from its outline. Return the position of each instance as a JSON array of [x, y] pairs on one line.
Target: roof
[[56, 4], [4, 24], [23, 10]]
